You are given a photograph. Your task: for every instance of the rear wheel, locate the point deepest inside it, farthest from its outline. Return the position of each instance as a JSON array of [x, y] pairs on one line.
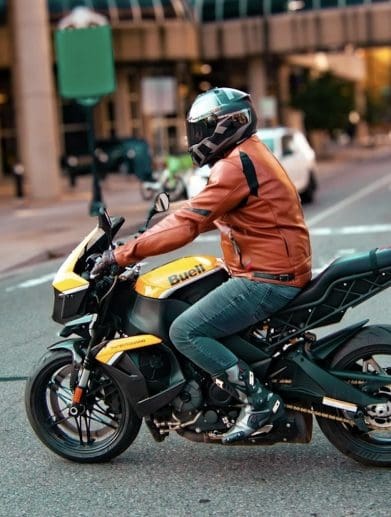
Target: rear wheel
[[372, 447], [106, 425]]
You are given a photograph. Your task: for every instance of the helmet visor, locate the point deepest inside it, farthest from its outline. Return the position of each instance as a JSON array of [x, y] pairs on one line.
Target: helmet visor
[[198, 131]]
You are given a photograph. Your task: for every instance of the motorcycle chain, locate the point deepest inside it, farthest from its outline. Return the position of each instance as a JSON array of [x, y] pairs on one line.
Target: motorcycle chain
[[319, 413]]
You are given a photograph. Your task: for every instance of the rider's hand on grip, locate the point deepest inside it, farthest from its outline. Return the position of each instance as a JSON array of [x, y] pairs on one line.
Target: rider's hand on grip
[[103, 263]]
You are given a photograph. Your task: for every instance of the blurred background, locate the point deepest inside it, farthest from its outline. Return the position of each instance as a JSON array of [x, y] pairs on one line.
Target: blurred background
[[321, 66]]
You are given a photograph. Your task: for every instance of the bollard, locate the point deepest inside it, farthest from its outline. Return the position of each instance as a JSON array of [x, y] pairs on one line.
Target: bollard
[[18, 171]]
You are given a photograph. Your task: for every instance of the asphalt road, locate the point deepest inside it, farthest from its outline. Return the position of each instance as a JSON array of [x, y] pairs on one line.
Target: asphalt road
[[177, 477]]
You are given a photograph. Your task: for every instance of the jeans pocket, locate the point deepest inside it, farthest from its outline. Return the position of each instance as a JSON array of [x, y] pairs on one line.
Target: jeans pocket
[[286, 292], [269, 298]]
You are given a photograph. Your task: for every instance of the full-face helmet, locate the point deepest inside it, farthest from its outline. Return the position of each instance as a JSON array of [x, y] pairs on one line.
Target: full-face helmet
[[218, 121]]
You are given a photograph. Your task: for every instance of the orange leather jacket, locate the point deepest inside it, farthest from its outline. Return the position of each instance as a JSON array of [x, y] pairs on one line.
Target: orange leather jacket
[[252, 201]]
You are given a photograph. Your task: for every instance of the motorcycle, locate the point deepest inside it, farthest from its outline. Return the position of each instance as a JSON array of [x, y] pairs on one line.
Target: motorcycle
[[116, 366], [165, 181]]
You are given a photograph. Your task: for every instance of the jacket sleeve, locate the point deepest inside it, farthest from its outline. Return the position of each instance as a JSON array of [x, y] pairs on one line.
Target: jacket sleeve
[[226, 188]]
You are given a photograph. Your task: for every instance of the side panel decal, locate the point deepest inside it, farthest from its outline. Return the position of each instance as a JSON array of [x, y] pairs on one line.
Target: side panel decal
[[157, 282], [116, 346]]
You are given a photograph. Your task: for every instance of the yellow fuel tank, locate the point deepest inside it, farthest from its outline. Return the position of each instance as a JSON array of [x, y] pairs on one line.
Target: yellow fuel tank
[[163, 280]]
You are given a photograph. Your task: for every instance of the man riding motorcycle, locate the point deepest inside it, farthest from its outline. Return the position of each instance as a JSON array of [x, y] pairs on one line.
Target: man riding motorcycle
[[264, 240]]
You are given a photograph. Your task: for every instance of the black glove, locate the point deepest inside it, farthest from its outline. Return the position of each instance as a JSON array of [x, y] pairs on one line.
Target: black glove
[[104, 262]]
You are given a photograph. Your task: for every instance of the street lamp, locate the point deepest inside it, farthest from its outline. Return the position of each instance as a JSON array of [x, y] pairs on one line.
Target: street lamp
[[85, 63]]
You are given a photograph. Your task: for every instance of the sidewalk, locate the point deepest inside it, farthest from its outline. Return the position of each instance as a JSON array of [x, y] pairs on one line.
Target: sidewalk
[[31, 232]]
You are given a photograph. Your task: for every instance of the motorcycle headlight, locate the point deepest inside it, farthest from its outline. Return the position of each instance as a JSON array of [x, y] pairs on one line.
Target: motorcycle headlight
[[69, 305]]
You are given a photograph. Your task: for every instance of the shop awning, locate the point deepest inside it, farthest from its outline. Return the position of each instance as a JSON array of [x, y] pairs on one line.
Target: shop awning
[[125, 10], [118, 11], [220, 10]]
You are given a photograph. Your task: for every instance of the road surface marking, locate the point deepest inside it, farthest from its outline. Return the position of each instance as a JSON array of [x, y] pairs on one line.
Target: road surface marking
[[382, 182], [351, 230], [32, 283], [327, 231], [215, 237]]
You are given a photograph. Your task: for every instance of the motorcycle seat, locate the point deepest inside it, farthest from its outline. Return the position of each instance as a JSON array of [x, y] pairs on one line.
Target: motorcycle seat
[[344, 267]]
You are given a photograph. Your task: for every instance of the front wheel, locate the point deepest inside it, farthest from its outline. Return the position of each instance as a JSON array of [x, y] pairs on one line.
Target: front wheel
[[106, 425], [372, 447]]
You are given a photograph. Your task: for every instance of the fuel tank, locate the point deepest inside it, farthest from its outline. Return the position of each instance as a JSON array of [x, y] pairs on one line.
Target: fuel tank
[[163, 293], [164, 281]]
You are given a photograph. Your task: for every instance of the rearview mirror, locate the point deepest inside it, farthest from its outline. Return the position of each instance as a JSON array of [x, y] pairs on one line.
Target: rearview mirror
[[104, 220], [161, 203], [104, 223]]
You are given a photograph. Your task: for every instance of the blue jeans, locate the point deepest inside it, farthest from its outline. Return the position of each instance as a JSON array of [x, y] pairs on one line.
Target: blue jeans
[[228, 309]]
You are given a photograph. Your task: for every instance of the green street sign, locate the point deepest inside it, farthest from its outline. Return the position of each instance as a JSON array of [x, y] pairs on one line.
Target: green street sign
[[85, 62]]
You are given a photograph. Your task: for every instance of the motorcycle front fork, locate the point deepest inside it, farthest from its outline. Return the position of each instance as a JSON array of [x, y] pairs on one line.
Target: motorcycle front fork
[[77, 406], [78, 393]]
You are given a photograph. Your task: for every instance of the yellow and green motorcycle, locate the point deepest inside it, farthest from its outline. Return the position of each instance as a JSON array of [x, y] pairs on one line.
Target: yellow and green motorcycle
[[116, 366]]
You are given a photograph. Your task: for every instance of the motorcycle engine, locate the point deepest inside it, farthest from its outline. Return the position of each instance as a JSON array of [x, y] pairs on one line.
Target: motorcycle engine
[[156, 369], [189, 399], [217, 396], [200, 407]]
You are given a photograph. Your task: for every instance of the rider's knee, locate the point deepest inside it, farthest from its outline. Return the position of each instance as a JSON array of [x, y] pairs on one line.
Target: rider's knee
[[179, 333]]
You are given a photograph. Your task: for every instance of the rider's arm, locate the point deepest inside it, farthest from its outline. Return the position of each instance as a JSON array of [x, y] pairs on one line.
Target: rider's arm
[[226, 188], [182, 204]]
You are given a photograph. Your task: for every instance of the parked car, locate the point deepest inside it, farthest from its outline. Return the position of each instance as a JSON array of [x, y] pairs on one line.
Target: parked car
[[293, 151], [123, 155]]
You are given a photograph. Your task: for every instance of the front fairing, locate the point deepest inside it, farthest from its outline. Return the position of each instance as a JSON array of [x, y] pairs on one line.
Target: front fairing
[[71, 282]]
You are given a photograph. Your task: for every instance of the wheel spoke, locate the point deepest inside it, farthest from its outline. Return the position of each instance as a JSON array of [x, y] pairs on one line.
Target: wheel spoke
[[372, 366], [78, 422], [101, 411], [97, 432], [370, 446], [87, 421], [62, 398], [101, 421], [54, 421]]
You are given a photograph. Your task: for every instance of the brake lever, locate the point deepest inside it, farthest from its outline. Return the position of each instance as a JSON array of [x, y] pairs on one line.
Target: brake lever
[[131, 273]]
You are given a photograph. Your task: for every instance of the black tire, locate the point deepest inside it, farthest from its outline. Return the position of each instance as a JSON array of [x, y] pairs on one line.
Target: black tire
[[124, 168], [146, 193], [373, 447], [105, 430], [308, 195]]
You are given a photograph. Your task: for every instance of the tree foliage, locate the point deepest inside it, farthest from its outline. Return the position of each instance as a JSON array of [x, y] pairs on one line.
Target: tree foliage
[[326, 102]]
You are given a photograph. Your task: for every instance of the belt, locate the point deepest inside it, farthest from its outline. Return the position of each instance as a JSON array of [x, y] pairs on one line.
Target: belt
[[283, 277]]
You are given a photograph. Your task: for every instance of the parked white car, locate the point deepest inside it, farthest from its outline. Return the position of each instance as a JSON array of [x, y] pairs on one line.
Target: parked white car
[[292, 150]]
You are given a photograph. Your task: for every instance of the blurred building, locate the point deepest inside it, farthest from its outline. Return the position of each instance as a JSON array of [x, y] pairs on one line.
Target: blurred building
[[167, 51]]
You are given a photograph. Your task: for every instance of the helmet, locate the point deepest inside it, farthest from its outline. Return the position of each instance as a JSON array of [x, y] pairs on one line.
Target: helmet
[[218, 121]]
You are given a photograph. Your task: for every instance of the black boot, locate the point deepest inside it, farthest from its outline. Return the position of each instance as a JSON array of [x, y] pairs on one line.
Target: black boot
[[261, 406]]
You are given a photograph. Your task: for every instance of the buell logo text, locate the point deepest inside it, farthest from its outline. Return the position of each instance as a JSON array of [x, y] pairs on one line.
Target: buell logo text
[[196, 270]]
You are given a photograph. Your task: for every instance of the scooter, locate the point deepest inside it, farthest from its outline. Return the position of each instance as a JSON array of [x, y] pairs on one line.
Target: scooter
[[165, 181], [116, 367]]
